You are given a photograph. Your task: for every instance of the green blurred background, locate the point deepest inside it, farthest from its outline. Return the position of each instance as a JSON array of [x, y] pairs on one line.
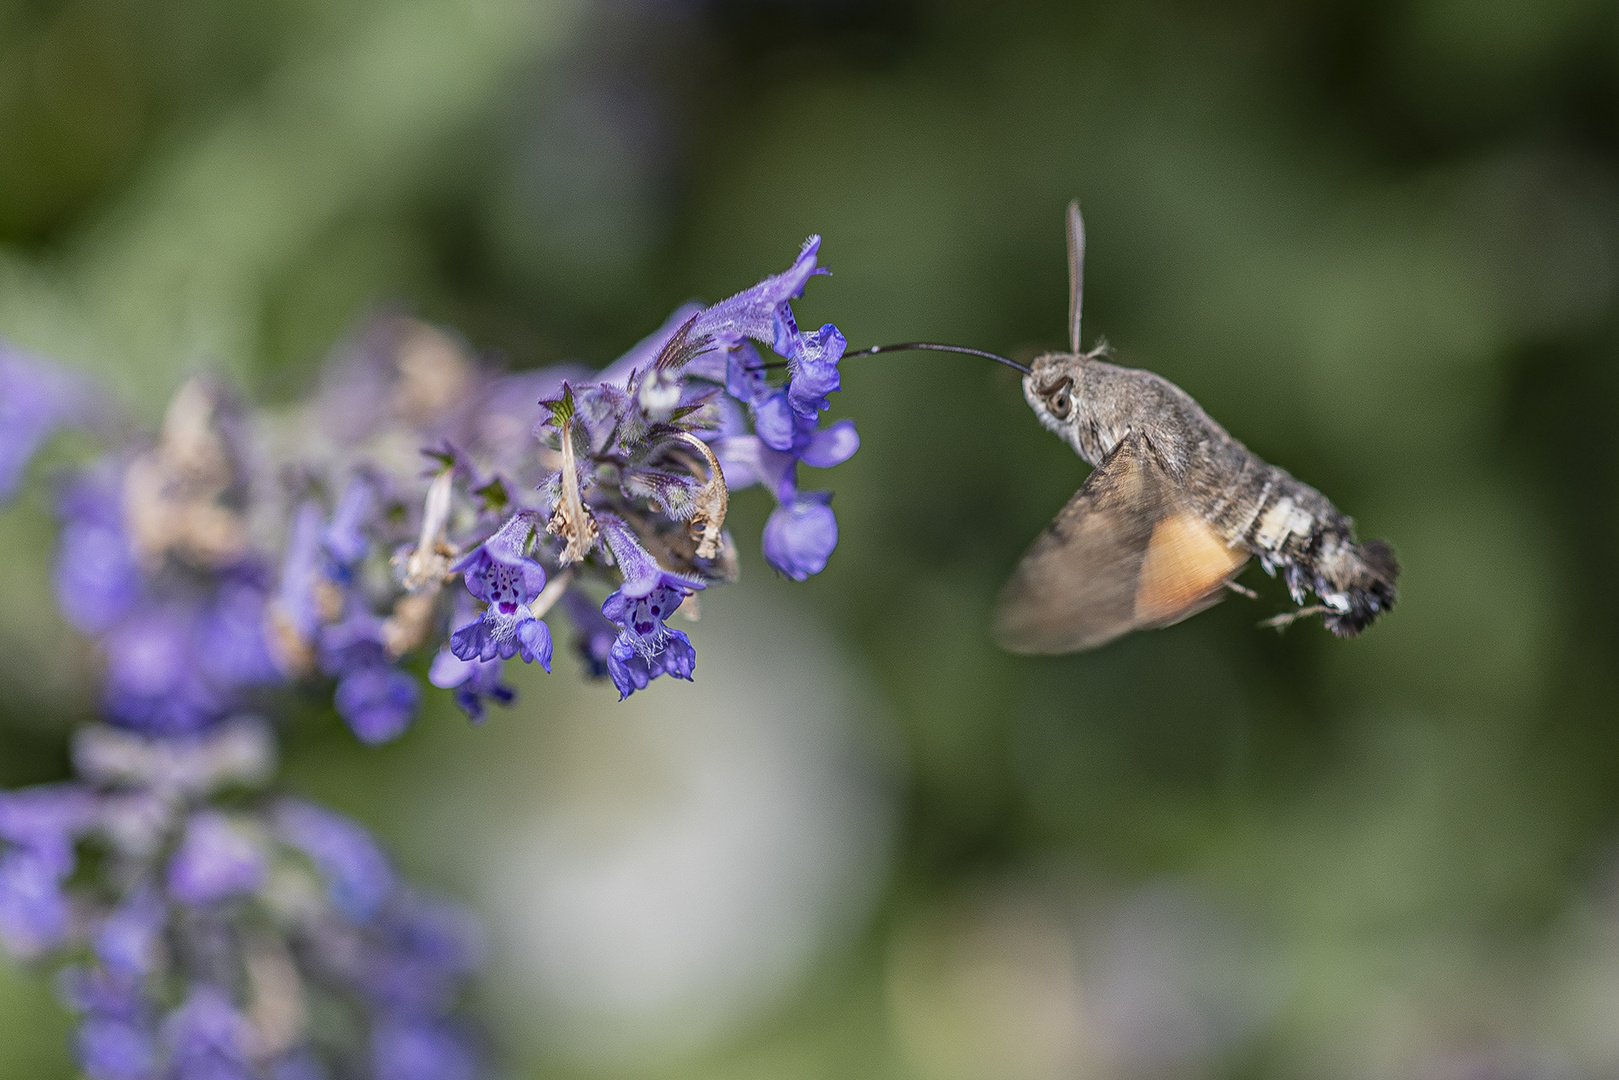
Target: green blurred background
[[1379, 241]]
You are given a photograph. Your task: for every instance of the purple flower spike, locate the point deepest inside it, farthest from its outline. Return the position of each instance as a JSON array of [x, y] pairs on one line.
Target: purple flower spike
[[498, 573], [358, 876], [215, 861], [800, 535], [377, 702], [752, 313]]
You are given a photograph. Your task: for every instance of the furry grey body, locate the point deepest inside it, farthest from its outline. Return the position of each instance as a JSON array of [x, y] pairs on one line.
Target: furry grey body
[[1252, 505]]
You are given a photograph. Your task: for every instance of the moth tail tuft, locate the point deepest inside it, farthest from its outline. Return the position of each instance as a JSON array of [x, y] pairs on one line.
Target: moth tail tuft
[[1369, 586]]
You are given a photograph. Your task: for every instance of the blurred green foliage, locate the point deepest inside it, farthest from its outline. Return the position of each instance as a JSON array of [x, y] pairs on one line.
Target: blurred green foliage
[[1379, 241]]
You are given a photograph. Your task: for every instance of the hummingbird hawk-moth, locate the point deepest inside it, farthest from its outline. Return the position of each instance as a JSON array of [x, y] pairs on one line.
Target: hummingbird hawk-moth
[[1172, 512]]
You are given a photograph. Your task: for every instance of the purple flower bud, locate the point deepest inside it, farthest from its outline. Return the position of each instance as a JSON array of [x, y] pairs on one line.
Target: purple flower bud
[[215, 861], [377, 702], [358, 876], [800, 536]]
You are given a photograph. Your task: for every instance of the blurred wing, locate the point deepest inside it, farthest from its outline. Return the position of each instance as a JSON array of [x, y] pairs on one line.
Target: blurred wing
[[1125, 554]]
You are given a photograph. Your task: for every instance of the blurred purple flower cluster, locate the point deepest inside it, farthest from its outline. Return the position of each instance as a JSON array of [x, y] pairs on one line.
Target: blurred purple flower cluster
[[214, 928], [226, 932]]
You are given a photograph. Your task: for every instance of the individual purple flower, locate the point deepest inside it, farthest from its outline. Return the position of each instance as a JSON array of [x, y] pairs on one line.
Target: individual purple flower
[[645, 648], [208, 1039], [375, 699], [632, 668], [800, 536], [499, 573], [812, 360], [753, 313], [412, 1049], [357, 874], [473, 681], [38, 826], [377, 702], [215, 861]]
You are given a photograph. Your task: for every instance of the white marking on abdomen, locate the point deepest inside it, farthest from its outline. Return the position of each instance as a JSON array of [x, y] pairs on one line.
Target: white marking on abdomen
[[1281, 521]]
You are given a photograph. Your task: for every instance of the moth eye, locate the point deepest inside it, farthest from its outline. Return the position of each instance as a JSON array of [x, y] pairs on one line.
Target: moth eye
[[1060, 401]]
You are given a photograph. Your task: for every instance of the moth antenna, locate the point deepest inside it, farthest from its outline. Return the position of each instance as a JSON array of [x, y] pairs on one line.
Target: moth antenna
[[1076, 274], [930, 346]]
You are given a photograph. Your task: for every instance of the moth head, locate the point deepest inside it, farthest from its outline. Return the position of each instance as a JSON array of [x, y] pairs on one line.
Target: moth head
[[1051, 388]]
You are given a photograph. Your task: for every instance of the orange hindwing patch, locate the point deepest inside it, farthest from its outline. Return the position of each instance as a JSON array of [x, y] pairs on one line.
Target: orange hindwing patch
[[1186, 563]]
